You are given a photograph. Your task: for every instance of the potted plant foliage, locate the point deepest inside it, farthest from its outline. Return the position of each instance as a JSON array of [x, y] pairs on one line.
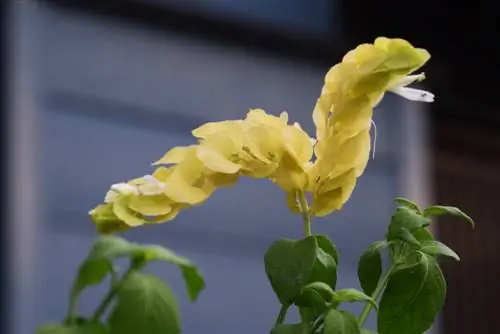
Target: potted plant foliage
[[317, 176]]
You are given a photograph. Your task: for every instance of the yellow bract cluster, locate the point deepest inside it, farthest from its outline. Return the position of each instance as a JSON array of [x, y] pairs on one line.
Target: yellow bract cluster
[[266, 146]]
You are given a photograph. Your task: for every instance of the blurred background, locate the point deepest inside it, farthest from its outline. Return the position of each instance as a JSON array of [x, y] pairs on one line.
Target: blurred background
[[99, 89]]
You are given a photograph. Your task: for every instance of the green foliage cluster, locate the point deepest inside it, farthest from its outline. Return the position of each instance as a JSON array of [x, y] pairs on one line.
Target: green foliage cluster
[[407, 295]]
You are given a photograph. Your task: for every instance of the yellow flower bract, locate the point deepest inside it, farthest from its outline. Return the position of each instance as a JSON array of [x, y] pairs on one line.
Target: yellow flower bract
[[266, 146]]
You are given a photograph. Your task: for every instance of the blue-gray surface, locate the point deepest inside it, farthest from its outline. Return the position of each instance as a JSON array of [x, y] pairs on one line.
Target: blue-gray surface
[[107, 110], [227, 236]]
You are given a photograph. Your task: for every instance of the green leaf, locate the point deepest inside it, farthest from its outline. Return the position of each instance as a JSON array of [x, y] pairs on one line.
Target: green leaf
[[417, 237], [97, 265], [439, 210], [409, 219], [433, 247], [84, 328], [108, 248], [325, 271], [310, 313], [192, 277], [370, 267], [91, 272], [404, 225], [327, 258], [195, 283], [405, 235], [404, 202], [291, 329], [289, 265], [327, 246], [340, 322], [413, 298], [423, 234], [144, 304], [111, 247], [315, 292], [353, 295]]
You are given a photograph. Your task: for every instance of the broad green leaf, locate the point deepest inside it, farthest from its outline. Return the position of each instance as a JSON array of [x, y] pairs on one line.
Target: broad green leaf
[[325, 271], [108, 248], [370, 267], [194, 281], [433, 247], [400, 201], [423, 234], [93, 272], [144, 304], [289, 266], [192, 277], [407, 218], [327, 259], [328, 247], [316, 294], [85, 328], [291, 329], [353, 295], [405, 235], [416, 238], [439, 210], [340, 322], [98, 264], [111, 247], [413, 298], [310, 313]]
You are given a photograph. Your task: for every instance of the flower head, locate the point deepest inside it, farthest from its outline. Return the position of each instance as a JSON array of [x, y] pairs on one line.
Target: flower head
[[266, 146], [344, 111]]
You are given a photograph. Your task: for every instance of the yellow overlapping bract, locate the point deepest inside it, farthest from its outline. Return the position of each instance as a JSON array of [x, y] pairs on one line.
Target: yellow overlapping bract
[[344, 110], [265, 146]]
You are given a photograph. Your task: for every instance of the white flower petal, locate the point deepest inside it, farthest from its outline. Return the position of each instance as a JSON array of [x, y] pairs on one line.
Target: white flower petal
[[284, 117], [413, 94], [152, 186], [124, 189]]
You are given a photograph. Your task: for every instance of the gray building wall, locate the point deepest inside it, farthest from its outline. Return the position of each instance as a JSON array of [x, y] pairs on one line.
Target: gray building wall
[[108, 99]]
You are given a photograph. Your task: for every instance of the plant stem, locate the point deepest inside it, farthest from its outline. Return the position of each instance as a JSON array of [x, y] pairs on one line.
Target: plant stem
[[304, 209], [376, 294], [69, 319], [281, 315], [317, 324], [108, 297]]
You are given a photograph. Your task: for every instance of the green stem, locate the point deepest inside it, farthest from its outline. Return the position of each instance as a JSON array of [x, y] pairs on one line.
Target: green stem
[[69, 319], [376, 294], [108, 297], [281, 315], [304, 209], [317, 324]]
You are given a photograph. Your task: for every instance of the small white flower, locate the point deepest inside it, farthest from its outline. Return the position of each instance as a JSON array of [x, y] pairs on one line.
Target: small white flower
[[151, 186], [124, 188], [399, 87], [119, 189], [412, 94], [284, 117], [147, 185]]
